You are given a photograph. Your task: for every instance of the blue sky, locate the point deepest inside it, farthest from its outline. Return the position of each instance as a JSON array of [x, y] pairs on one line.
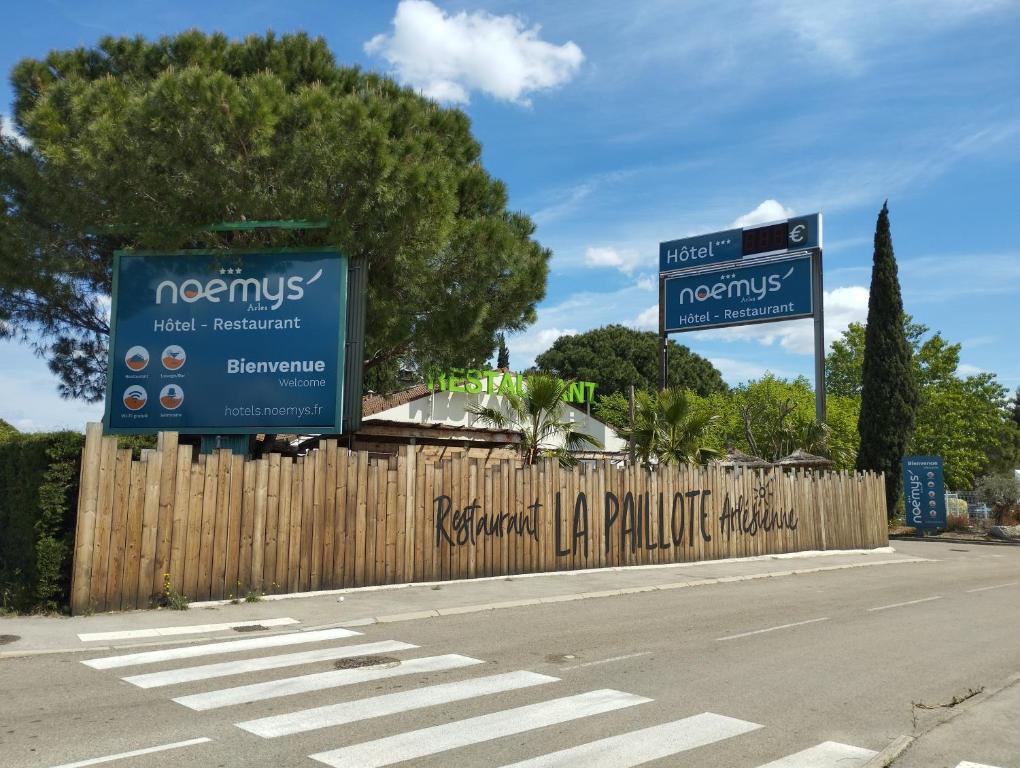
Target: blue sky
[[617, 125]]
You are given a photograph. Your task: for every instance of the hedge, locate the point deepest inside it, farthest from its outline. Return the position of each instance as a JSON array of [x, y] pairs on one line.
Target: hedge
[[38, 492]]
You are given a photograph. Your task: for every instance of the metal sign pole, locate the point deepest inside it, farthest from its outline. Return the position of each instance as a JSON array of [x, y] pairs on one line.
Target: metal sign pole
[[663, 339], [819, 317]]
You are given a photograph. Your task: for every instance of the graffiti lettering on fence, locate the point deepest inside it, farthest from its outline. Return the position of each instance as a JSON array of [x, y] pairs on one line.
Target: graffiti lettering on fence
[[760, 514], [467, 524], [639, 529], [637, 521]]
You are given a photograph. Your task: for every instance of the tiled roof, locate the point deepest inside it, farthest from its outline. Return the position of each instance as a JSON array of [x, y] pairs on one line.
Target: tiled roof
[[373, 404]]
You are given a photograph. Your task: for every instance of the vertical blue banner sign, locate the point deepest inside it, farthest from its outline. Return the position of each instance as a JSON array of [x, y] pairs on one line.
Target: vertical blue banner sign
[[220, 342], [924, 491]]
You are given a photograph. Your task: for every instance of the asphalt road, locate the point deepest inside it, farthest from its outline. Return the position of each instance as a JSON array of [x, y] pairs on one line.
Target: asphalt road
[[743, 673]]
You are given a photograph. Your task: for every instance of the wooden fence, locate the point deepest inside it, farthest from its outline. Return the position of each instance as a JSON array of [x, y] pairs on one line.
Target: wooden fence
[[221, 525]]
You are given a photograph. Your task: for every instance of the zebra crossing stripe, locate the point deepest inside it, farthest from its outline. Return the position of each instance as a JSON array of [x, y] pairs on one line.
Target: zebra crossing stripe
[[135, 753], [211, 649], [966, 764], [392, 703], [474, 730], [192, 629], [828, 754], [645, 745], [227, 668], [289, 686]]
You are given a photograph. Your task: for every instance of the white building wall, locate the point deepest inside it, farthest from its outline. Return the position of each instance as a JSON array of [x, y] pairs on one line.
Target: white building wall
[[450, 409]]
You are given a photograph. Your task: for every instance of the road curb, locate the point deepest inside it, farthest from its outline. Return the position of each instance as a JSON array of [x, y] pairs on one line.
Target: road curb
[[979, 542], [884, 758], [458, 610], [807, 554]]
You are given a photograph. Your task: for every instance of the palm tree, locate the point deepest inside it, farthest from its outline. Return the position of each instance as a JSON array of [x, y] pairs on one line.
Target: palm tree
[[668, 430], [538, 415]]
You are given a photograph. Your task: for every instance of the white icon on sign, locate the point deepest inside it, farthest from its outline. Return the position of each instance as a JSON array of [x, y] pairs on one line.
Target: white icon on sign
[[797, 233]]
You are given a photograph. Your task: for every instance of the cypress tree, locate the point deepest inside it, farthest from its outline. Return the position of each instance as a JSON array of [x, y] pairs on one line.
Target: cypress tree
[[889, 394], [503, 358]]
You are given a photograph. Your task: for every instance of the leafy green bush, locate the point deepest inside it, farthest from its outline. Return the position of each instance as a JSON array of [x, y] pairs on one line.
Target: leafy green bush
[[38, 492]]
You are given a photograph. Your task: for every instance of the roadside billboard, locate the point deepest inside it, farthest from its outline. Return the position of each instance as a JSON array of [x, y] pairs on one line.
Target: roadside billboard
[[924, 492], [739, 295], [220, 342]]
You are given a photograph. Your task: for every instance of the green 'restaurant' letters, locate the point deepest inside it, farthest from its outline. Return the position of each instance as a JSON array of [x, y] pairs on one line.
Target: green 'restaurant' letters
[[475, 382]]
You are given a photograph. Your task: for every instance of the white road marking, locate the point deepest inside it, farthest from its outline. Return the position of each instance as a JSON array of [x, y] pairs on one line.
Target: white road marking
[[645, 745], [610, 660], [134, 753], [773, 629], [320, 681], [211, 649], [192, 629], [828, 754], [391, 703], [227, 668], [994, 586], [475, 730], [909, 602], [966, 764]]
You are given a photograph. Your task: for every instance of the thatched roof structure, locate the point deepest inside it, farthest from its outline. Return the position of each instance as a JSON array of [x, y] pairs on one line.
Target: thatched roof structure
[[801, 459], [736, 458]]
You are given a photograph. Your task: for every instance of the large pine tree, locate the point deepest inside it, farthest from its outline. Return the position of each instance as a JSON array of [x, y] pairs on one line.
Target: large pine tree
[[889, 394]]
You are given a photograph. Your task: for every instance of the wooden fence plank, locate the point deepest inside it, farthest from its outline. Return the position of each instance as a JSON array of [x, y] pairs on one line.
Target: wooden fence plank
[[207, 538], [179, 530], [150, 519], [328, 514], [167, 446], [258, 535], [133, 539], [307, 522], [194, 536], [269, 583], [318, 518], [85, 525], [340, 518], [104, 513], [283, 526], [218, 587], [118, 530], [244, 557], [296, 515], [231, 575]]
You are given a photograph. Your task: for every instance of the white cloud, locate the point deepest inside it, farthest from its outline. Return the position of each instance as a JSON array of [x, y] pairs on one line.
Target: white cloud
[[7, 128], [845, 34], [739, 371], [647, 320], [446, 56], [769, 210], [533, 342], [966, 369], [842, 307], [646, 282], [625, 260]]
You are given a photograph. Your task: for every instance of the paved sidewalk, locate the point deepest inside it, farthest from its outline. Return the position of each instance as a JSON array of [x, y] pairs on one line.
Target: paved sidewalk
[[358, 607], [990, 718]]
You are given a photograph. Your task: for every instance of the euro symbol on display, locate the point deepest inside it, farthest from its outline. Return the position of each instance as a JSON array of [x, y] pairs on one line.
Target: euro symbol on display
[[797, 233]]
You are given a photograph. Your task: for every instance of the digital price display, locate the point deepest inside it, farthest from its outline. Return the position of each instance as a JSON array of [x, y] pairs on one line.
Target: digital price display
[[775, 237]]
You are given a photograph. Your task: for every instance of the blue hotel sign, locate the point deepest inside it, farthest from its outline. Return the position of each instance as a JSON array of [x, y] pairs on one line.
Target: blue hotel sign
[[220, 342], [924, 492], [797, 234], [739, 295]]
